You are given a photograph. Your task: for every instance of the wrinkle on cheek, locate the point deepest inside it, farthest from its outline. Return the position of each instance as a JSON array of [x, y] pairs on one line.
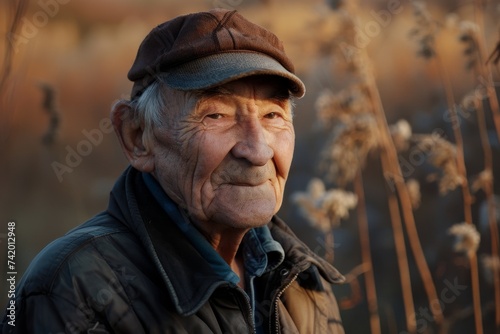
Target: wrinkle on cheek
[[188, 135], [192, 188], [206, 201], [222, 177], [176, 157], [196, 169]]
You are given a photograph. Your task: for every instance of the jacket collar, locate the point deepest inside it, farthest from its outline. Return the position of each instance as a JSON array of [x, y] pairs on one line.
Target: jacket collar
[[190, 286]]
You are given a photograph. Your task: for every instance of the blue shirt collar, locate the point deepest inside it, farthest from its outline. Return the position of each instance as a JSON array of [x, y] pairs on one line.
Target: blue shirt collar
[[261, 253]]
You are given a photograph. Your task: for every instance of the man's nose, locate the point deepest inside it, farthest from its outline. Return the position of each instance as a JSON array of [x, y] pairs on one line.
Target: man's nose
[[252, 143]]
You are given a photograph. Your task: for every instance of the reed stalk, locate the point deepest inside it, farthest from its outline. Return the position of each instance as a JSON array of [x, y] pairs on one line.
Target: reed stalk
[[492, 219], [467, 198], [485, 73], [401, 254], [393, 170], [329, 246], [364, 239]]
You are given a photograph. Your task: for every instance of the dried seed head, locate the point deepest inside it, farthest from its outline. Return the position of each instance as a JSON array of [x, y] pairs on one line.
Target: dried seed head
[[337, 204], [468, 29], [324, 209], [347, 41], [401, 134], [316, 188], [483, 180], [467, 238], [468, 36], [341, 106], [310, 203], [424, 30], [413, 187], [442, 154], [346, 153]]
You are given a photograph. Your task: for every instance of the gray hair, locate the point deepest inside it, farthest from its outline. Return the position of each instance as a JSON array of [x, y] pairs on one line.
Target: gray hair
[[148, 109]]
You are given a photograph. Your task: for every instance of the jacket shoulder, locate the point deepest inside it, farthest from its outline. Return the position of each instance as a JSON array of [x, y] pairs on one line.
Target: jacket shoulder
[[299, 253], [77, 243]]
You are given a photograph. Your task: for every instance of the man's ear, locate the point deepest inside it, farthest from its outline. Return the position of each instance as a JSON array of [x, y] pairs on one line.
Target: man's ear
[[130, 135]]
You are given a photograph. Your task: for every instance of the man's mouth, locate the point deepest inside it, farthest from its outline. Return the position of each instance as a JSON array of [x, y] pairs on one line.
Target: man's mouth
[[253, 183]]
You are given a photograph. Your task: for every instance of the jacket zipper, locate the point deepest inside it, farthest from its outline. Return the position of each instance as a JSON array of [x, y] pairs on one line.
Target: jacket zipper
[[250, 316], [252, 320], [276, 301]]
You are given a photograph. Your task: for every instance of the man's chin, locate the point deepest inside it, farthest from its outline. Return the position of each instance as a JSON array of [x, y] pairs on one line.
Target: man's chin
[[247, 218]]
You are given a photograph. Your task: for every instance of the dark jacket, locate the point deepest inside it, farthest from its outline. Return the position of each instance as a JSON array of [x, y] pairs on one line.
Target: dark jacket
[[131, 270]]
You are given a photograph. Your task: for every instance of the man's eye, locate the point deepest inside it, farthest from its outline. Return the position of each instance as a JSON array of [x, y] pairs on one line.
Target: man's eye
[[272, 115], [215, 116]]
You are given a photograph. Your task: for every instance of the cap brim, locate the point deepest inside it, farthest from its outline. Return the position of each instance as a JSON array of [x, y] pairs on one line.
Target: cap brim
[[221, 68]]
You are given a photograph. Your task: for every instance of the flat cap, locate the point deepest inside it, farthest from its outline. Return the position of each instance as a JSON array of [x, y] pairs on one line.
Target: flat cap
[[207, 49]]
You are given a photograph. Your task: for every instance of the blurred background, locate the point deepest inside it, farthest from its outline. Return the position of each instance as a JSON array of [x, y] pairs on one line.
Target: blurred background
[[64, 63]]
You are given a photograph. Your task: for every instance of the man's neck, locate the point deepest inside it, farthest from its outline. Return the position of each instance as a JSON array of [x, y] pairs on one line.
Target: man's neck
[[238, 266], [227, 243]]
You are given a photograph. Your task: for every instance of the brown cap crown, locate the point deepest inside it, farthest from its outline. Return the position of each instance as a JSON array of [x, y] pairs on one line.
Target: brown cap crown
[[206, 49]]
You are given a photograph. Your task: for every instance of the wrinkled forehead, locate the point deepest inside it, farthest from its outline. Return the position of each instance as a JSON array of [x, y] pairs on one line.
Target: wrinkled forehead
[[264, 88]]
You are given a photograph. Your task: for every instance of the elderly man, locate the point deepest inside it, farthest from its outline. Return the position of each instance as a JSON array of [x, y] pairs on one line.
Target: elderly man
[[190, 242]]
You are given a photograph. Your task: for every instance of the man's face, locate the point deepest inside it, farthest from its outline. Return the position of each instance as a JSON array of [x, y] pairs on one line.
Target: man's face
[[224, 155]]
